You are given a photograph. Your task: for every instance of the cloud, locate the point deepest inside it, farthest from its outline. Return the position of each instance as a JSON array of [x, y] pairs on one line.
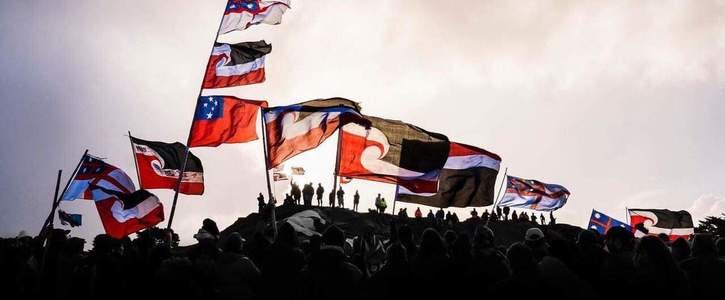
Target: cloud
[[707, 205]]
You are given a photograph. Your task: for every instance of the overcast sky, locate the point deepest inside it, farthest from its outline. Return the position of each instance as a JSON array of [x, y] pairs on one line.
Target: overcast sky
[[622, 102]]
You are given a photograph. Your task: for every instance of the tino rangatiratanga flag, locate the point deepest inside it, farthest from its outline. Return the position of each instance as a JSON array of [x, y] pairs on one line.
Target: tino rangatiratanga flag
[[129, 213], [533, 194], [392, 151], [468, 179], [240, 14], [675, 224], [236, 64], [224, 120], [296, 128], [159, 165]]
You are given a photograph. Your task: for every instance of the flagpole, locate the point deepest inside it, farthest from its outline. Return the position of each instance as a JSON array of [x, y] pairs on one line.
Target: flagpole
[[58, 199], [337, 165], [497, 200], [271, 203], [188, 138], [52, 205], [135, 162]]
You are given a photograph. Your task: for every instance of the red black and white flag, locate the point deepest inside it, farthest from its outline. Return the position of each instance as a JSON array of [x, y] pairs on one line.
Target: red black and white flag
[[467, 179], [392, 151], [236, 64], [675, 224], [159, 166], [240, 14], [296, 128], [224, 120], [129, 213]]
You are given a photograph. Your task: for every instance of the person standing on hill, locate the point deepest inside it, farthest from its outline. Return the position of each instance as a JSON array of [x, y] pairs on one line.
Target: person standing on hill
[[355, 200], [307, 193], [320, 193], [331, 198], [341, 198]]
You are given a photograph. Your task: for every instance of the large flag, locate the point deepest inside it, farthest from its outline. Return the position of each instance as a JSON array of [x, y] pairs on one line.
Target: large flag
[[296, 128], [601, 222], [224, 119], [129, 213], [159, 165], [391, 151], [240, 14], [468, 179], [93, 172], [533, 194], [236, 64], [675, 224]]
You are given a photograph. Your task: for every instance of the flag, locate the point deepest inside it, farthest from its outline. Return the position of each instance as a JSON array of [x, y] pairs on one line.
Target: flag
[[532, 194], [467, 179], [345, 180], [93, 172], [390, 151], [129, 213], [224, 120], [675, 224], [601, 222], [298, 171], [73, 220], [279, 176], [296, 128], [159, 165], [236, 64], [240, 14]]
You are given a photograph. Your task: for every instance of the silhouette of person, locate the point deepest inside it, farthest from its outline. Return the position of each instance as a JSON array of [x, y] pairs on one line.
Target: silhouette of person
[[474, 214], [499, 213], [307, 193], [320, 193], [552, 220], [418, 213], [296, 192], [542, 219], [355, 200], [506, 213], [331, 198], [260, 203], [533, 219], [341, 198], [514, 216]]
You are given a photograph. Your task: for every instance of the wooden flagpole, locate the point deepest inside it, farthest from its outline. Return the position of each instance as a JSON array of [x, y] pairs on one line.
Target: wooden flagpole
[[135, 162], [271, 202], [55, 197], [188, 138], [49, 220], [337, 165]]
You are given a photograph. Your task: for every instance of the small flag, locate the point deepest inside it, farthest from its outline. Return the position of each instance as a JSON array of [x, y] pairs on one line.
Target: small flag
[[95, 172], [601, 222], [236, 64], [240, 14], [159, 165], [224, 120], [676, 224], [279, 176], [73, 220], [298, 171], [533, 194]]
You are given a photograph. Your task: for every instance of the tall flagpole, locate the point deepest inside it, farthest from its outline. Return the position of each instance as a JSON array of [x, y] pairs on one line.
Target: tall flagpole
[[188, 138], [271, 202], [337, 165], [135, 162], [58, 199], [497, 200]]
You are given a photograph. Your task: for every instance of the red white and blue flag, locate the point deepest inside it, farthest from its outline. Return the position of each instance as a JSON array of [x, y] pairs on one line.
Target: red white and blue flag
[[122, 209], [533, 194], [602, 223], [224, 120], [236, 64], [240, 14]]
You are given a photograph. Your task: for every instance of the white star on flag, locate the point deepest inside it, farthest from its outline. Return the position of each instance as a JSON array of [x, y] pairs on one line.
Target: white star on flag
[[208, 116]]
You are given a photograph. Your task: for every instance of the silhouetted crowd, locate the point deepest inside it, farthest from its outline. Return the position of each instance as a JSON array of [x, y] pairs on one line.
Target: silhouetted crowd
[[438, 262]]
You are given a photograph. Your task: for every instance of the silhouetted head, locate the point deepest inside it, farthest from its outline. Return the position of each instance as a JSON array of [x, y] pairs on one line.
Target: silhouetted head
[[234, 243], [680, 249], [431, 243], [287, 235], [619, 239], [520, 258], [483, 238], [334, 236], [587, 238], [450, 236], [405, 234], [652, 255], [703, 245], [103, 243], [210, 226], [664, 238], [397, 254]]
